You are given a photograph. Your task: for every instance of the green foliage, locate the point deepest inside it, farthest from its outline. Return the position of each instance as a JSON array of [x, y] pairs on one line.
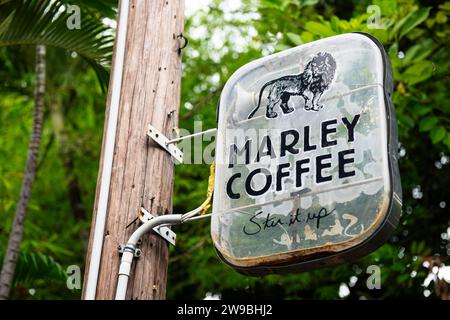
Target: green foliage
[[106, 8], [408, 23], [53, 231], [25, 22], [36, 266]]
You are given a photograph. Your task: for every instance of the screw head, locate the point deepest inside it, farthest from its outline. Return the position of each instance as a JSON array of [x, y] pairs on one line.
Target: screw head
[[137, 253]]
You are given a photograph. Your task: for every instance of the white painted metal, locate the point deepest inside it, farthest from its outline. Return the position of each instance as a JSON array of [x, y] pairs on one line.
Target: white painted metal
[[92, 276], [162, 140], [164, 231], [130, 248]]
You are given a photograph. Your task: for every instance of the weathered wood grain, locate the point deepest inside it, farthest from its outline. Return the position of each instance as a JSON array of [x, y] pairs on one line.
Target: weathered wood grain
[[142, 172]]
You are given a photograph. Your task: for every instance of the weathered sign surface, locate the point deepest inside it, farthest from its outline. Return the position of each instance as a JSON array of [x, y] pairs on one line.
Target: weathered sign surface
[[306, 167]]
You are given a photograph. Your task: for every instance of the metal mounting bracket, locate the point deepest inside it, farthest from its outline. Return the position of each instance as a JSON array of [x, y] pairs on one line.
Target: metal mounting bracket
[[164, 231], [122, 248], [163, 141]]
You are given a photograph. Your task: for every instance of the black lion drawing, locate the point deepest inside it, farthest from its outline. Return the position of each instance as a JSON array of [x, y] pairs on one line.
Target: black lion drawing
[[310, 85]]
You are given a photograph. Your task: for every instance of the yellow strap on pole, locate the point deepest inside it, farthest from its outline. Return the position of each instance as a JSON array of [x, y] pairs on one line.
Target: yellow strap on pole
[[207, 204]]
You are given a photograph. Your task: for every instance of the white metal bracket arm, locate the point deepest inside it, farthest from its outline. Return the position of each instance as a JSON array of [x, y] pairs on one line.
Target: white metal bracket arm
[[170, 145], [163, 141], [163, 230], [195, 135]]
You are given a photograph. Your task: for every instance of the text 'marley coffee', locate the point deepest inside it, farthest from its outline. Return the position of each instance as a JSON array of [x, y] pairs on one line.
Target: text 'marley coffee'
[[306, 158]]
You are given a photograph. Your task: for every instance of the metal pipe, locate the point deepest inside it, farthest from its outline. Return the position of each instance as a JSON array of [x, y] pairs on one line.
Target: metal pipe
[[130, 249]]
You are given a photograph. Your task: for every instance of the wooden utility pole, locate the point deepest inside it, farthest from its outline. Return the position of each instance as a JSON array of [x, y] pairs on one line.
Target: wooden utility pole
[[142, 173]]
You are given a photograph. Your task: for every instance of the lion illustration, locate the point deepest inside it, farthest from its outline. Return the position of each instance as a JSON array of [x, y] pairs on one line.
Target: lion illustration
[[310, 85]]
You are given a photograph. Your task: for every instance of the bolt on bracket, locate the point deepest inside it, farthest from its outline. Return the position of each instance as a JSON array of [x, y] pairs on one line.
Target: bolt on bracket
[[163, 141], [164, 231]]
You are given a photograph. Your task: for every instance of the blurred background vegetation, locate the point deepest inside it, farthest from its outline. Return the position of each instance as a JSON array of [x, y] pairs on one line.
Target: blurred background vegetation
[[223, 35]]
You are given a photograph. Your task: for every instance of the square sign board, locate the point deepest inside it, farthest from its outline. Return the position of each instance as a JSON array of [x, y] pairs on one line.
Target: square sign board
[[306, 158]]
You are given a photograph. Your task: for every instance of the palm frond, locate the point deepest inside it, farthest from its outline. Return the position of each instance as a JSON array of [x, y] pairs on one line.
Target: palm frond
[[33, 22], [106, 8], [37, 266]]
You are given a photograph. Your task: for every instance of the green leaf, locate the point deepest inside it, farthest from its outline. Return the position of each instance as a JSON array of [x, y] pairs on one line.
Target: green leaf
[[388, 7], [33, 266], [418, 72], [445, 6], [447, 140], [105, 7], [393, 50], [441, 17], [335, 23], [418, 52], [428, 123], [421, 110], [406, 120], [294, 38], [319, 29], [286, 3], [413, 19], [307, 37], [310, 2], [269, 4], [437, 134]]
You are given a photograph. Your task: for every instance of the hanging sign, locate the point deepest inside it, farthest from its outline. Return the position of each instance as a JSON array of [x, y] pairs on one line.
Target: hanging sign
[[306, 158]]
